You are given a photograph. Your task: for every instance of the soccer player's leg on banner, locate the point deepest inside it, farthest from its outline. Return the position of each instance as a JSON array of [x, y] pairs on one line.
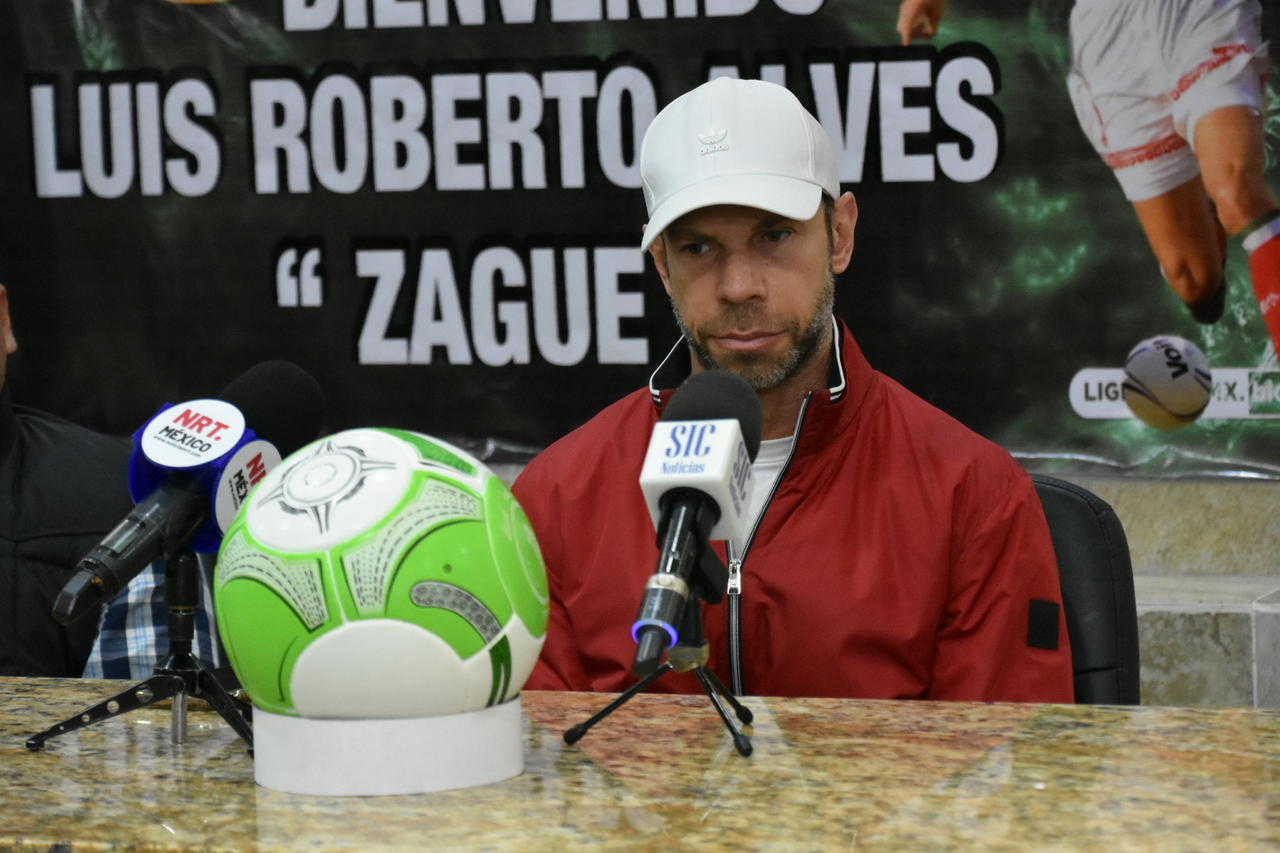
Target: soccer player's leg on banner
[[1229, 146], [1124, 109], [1262, 242], [1189, 245]]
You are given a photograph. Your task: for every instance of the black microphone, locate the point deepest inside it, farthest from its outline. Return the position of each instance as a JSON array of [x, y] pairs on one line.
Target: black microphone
[[696, 481], [192, 466]]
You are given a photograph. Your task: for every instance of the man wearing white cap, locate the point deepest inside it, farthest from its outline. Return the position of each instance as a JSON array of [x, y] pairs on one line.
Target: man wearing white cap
[[894, 553]]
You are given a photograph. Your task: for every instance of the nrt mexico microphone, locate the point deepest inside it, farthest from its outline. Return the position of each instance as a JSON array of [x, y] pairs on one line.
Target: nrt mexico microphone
[[192, 466], [696, 481]]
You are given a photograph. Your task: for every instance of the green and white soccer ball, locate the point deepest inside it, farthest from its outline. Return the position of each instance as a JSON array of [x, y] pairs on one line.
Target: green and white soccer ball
[[381, 573]]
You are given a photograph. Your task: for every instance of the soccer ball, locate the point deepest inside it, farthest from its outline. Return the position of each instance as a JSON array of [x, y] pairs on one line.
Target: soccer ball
[[1167, 381], [379, 573]]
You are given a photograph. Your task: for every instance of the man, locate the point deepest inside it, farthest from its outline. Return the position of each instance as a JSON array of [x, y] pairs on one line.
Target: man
[[895, 553], [64, 488], [1170, 94]]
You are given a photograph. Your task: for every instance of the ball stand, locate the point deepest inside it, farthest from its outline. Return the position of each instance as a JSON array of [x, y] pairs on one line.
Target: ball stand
[[178, 676], [367, 757]]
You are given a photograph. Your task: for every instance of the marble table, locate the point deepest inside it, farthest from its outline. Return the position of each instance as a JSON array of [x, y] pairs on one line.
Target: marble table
[[661, 774]]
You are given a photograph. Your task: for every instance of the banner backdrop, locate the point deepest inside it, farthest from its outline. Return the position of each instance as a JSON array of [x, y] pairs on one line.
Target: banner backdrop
[[434, 207]]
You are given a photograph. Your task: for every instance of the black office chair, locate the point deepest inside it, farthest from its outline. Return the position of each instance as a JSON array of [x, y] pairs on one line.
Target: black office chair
[[1097, 591]]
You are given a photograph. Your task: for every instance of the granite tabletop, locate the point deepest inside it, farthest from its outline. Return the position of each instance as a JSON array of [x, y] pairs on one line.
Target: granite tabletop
[[662, 774]]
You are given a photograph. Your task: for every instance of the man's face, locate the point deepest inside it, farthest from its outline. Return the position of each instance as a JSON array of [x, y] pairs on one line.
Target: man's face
[[752, 291]]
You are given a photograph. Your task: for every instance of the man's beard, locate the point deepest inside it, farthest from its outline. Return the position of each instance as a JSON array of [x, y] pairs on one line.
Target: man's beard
[[760, 371]]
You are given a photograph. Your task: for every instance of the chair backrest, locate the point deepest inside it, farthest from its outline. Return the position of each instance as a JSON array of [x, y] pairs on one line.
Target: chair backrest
[[1097, 592]]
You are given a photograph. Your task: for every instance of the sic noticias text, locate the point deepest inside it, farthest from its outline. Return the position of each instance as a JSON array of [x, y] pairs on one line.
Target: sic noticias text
[[346, 133]]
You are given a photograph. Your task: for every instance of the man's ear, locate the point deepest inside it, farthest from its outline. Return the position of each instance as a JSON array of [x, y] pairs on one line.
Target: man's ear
[[658, 251], [6, 328], [844, 219]]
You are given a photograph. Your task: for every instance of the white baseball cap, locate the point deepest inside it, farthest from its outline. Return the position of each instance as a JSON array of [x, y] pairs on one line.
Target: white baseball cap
[[732, 141]]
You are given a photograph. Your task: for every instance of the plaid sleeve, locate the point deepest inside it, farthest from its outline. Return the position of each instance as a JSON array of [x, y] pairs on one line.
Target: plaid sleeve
[[133, 634]]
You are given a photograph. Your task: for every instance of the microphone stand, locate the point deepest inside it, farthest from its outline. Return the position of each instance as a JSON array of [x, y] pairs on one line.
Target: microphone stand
[[688, 655], [178, 676]]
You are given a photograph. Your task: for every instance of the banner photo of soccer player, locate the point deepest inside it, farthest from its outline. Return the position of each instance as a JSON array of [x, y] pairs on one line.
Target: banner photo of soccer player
[[434, 206]]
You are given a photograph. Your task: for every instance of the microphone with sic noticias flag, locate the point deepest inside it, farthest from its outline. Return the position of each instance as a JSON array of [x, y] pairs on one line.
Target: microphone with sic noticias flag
[[696, 480]]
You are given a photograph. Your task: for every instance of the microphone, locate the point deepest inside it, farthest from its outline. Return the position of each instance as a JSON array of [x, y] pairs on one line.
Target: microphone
[[192, 466], [696, 478]]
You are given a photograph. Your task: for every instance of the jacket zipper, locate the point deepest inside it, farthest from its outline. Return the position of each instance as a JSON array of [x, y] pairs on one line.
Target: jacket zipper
[[734, 588]]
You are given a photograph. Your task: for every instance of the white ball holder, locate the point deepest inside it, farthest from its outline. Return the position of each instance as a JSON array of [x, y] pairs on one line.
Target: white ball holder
[[372, 757]]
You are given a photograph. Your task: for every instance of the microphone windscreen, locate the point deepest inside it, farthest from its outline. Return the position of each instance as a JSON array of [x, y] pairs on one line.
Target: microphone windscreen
[[719, 395], [280, 401]]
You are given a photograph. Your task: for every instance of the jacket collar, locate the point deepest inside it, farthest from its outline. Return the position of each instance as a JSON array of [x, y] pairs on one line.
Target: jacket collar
[[834, 410]]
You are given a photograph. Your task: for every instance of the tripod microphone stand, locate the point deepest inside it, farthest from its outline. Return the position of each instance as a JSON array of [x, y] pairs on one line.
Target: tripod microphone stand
[[688, 655], [179, 676]]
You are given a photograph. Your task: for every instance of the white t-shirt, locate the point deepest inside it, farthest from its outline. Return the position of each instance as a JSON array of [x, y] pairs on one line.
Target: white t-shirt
[[764, 474]]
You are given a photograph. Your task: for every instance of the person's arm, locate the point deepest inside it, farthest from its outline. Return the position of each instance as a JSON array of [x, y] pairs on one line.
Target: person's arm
[[128, 641], [558, 666], [919, 18], [1005, 606], [133, 631], [552, 672]]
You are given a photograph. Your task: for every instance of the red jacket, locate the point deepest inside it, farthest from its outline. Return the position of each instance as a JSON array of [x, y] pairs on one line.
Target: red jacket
[[897, 558]]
